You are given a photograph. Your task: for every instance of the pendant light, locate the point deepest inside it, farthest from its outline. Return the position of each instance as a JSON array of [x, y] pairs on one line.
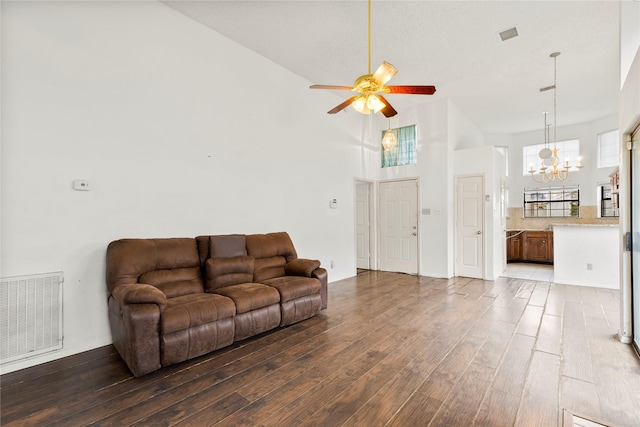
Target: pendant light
[[557, 170], [389, 140]]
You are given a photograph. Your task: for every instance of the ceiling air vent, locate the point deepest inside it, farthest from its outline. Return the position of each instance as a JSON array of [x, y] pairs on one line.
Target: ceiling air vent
[[509, 34]]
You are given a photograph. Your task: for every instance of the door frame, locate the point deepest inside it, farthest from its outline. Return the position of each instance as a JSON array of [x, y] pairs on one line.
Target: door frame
[[418, 218], [484, 222], [373, 255], [626, 333]]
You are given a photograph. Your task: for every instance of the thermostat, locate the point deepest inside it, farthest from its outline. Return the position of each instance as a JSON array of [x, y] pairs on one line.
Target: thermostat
[[81, 185]]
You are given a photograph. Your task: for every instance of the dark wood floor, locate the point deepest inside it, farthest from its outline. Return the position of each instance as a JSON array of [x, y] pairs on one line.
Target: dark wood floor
[[392, 349]]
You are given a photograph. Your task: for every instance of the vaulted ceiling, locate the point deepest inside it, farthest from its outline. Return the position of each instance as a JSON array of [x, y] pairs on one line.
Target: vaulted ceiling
[[454, 45]]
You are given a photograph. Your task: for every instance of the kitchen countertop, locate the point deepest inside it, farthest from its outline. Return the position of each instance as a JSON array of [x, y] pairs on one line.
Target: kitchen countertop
[[585, 225], [550, 227], [528, 229]]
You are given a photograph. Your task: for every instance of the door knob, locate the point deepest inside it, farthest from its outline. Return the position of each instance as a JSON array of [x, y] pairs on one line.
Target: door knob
[[479, 232], [414, 233]]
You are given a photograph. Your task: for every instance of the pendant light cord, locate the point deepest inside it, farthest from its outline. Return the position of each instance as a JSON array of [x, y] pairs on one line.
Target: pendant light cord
[[555, 90], [369, 38]]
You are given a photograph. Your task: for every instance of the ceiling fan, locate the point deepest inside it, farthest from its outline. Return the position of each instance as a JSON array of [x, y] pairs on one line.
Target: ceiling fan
[[370, 86]]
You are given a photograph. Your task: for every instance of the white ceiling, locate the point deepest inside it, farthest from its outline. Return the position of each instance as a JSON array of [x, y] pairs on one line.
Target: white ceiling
[[453, 45]]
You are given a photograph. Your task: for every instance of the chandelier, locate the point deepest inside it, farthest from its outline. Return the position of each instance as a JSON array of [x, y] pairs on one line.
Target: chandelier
[[551, 167]]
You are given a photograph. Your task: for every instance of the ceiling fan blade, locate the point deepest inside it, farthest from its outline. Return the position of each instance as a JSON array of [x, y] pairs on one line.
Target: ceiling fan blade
[[412, 90], [342, 106], [330, 87], [388, 110], [384, 73]]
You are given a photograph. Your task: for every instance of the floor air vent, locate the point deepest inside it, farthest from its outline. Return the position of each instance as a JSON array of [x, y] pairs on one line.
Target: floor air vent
[[30, 315]]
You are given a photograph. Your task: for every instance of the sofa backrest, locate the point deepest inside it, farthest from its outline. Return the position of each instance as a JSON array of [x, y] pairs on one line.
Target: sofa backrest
[[172, 265], [221, 272], [271, 252]]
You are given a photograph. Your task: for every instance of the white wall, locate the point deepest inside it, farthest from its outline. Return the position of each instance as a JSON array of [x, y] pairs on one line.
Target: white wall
[[463, 133], [629, 37], [587, 255], [179, 131]]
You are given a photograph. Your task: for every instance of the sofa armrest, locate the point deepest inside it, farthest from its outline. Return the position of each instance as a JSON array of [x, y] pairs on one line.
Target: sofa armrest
[[134, 318], [321, 275], [301, 267], [139, 293]]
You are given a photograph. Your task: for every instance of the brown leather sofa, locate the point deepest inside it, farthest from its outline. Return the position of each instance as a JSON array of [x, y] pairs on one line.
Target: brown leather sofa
[[174, 299]]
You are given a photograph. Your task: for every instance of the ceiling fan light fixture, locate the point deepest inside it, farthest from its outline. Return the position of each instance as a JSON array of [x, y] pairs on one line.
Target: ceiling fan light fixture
[[360, 104], [369, 85], [374, 103], [384, 73]]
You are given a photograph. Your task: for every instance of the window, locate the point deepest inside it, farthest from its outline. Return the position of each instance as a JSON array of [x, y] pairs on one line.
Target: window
[[608, 143], [552, 202], [569, 149], [606, 207], [405, 152]]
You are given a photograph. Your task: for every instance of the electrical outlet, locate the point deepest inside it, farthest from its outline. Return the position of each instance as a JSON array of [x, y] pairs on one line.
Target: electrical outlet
[[333, 264], [589, 266]]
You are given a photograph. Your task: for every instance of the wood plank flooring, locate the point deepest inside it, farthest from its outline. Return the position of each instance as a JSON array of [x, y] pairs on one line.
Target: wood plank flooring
[[391, 350]]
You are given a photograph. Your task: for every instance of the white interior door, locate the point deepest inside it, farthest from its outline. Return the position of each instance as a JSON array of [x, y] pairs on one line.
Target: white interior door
[[398, 226], [470, 226], [363, 225]]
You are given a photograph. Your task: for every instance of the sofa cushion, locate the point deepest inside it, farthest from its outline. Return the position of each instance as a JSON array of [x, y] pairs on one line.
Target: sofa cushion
[[269, 268], [301, 267], [220, 272], [128, 259], [293, 287], [175, 282], [193, 310], [250, 296], [272, 252]]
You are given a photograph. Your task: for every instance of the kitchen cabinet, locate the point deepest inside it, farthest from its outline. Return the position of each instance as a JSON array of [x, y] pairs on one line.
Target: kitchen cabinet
[[530, 246], [538, 246], [514, 246]]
